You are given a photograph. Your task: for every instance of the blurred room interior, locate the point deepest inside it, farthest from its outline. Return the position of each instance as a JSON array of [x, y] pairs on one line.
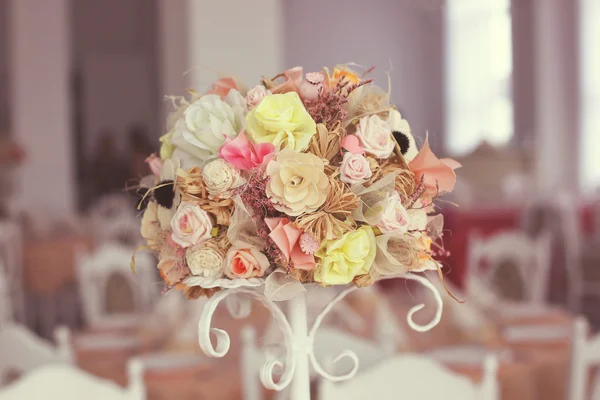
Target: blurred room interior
[[509, 88]]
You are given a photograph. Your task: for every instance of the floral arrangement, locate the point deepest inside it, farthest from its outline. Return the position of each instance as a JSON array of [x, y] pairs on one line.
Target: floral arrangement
[[303, 178]]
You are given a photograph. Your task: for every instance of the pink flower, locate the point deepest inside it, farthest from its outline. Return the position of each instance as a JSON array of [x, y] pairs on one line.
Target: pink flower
[[435, 173], [292, 79], [394, 217], [287, 239], [351, 143], [222, 87], [191, 225], [354, 169], [311, 86], [245, 261], [255, 96], [244, 155], [155, 164], [308, 244]]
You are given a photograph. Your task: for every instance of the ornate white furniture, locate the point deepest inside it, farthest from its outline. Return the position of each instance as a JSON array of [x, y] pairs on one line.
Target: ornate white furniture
[[66, 382], [94, 271], [585, 354], [113, 220], [530, 257], [329, 342], [408, 376], [11, 262], [22, 351]]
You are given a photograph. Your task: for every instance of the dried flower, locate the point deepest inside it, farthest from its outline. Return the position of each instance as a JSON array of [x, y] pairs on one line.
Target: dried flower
[[205, 259], [220, 178], [308, 243]]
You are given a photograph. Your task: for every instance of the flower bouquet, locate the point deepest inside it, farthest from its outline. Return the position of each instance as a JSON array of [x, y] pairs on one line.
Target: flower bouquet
[[304, 178]]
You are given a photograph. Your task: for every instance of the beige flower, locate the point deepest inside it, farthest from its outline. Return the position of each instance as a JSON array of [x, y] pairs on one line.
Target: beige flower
[[220, 178], [298, 182], [205, 259], [150, 230], [245, 261]]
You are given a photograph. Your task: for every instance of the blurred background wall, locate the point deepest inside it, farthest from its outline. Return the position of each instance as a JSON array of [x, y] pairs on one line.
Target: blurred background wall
[[82, 78]]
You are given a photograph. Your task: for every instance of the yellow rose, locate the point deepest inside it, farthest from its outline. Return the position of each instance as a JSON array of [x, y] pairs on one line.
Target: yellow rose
[[282, 120], [167, 148], [346, 257]]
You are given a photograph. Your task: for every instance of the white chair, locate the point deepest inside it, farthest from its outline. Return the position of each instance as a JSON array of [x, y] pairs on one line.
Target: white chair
[[409, 376], [329, 342], [557, 214], [113, 219], [11, 260], [531, 257], [22, 351], [69, 383], [585, 354], [94, 271]]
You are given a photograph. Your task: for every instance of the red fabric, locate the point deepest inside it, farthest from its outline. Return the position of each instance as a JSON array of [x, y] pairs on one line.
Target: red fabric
[[457, 226], [459, 223]]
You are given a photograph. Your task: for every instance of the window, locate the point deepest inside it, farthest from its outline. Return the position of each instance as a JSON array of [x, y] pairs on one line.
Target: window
[[478, 74], [590, 94]]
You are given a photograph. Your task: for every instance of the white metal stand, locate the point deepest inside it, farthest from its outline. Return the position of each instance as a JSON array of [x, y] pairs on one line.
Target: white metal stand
[[294, 369]]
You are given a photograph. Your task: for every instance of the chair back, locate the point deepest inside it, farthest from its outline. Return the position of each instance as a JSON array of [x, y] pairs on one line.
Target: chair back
[[490, 258], [108, 264], [409, 376], [585, 355], [23, 351]]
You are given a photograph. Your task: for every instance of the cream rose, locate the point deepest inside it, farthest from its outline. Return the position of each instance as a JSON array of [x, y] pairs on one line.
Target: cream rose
[[298, 182], [255, 96], [375, 135], [150, 230], [245, 261], [220, 178], [191, 225], [201, 130], [205, 259], [395, 217], [354, 169]]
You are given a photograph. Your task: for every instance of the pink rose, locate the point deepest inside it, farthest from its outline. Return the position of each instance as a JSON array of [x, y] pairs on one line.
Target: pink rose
[[245, 261], [312, 86], [222, 87], [395, 217], [191, 225], [436, 173], [155, 164], [351, 143], [244, 155], [287, 238], [354, 169], [255, 96], [375, 135]]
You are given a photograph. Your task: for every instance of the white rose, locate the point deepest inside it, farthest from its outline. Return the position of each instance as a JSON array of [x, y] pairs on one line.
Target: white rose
[[354, 169], [220, 178], [375, 135], [255, 96], [395, 217], [408, 146], [205, 123], [205, 260], [191, 225]]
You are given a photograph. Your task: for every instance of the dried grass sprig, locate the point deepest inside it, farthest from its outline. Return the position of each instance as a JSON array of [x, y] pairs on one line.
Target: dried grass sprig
[[405, 179], [334, 218], [326, 142]]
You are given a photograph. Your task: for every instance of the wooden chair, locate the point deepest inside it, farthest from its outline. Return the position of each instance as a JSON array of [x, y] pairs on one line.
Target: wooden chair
[[70, 383], [22, 351], [529, 257], [109, 264], [408, 376]]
